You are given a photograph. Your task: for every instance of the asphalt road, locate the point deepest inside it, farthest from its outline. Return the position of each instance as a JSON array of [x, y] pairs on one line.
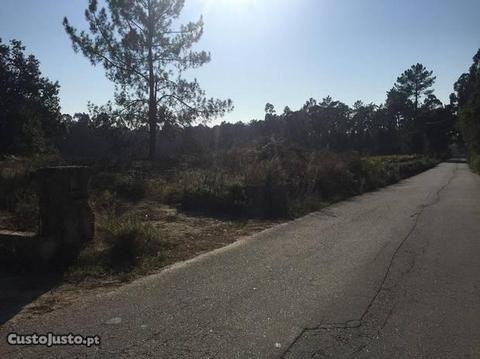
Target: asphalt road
[[389, 274]]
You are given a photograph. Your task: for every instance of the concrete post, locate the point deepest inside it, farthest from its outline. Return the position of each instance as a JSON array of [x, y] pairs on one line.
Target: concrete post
[[66, 219]]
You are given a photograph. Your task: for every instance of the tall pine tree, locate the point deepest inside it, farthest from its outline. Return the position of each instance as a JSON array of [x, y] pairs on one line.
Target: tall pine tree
[[145, 55], [414, 83]]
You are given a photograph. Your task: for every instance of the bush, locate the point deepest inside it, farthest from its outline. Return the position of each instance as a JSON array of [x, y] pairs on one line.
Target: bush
[[207, 190], [128, 187], [474, 160], [123, 245], [155, 189], [274, 180], [129, 239], [18, 194], [270, 180]]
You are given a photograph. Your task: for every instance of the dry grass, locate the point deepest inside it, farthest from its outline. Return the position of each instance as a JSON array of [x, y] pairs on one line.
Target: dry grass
[[180, 237], [138, 239]]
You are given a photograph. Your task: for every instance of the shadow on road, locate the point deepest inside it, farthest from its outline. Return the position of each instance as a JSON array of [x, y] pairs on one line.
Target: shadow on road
[[17, 291]]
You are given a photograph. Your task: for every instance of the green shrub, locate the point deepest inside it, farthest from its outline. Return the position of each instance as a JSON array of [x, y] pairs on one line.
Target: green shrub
[[128, 187], [18, 194], [128, 240], [105, 201], [90, 263], [123, 246], [155, 189], [269, 180], [474, 160], [273, 180], [207, 190]]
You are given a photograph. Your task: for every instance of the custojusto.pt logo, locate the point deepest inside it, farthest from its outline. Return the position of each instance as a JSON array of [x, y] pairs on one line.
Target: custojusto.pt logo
[[51, 339]]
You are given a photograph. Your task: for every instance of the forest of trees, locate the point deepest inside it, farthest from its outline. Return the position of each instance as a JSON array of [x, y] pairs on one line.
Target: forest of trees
[[155, 141], [412, 120], [30, 119], [154, 111], [466, 100]]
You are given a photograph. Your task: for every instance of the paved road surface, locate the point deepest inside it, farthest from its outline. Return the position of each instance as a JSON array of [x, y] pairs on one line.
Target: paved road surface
[[390, 274]]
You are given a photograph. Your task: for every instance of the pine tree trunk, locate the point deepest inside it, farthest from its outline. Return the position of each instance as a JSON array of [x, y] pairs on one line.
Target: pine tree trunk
[[152, 100], [152, 149], [152, 121]]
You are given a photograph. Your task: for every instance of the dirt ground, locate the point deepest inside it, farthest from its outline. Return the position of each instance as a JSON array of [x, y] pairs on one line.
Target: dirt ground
[[190, 235], [185, 236]]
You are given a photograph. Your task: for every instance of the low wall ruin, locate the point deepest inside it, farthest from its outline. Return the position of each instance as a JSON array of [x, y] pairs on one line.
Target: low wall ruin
[[67, 221]]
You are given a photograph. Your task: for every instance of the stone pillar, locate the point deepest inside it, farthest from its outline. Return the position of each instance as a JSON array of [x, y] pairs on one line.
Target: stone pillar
[[67, 221]]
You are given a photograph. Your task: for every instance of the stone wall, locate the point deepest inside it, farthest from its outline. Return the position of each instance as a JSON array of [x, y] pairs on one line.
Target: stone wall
[[18, 250], [66, 219]]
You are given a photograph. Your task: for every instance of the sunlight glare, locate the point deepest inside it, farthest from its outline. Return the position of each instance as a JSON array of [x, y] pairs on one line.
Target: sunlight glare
[[230, 3]]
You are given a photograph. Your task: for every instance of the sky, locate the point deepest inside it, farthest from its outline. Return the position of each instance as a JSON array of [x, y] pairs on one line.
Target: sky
[[278, 51]]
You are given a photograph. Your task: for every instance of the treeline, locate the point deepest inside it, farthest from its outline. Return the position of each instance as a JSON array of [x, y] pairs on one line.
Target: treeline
[[287, 164], [412, 120], [30, 118], [467, 102]]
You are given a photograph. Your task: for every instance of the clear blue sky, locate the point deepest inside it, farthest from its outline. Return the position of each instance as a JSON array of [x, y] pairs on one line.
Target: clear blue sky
[[278, 51]]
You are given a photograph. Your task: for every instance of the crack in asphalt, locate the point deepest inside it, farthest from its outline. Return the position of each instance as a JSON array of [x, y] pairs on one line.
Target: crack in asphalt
[[357, 323]]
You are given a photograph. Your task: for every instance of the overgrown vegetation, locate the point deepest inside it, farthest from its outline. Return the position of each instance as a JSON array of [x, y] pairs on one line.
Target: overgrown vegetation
[[270, 180], [123, 244], [467, 101], [273, 180], [18, 192], [29, 105], [18, 195], [283, 166]]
